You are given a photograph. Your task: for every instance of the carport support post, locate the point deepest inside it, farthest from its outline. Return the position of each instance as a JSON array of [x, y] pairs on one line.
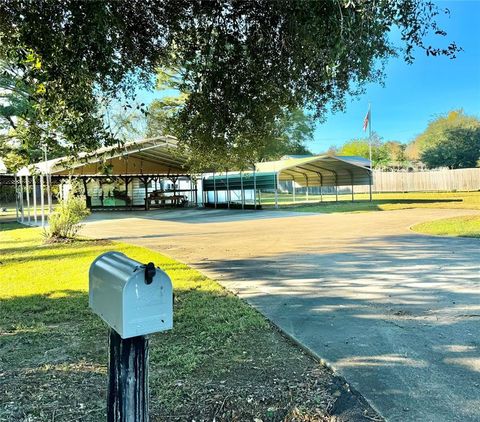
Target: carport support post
[[336, 188], [205, 199], [370, 185], [145, 184], [174, 180], [321, 186], [195, 183], [16, 197], [353, 197], [22, 218], [276, 189], [27, 192], [146, 180], [242, 192], [293, 188], [127, 181], [88, 201], [49, 192], [42, 200], [127, 396], [214, 191], [191, 190], [34, 191], [254, 188], [228, 190], [306, 178]]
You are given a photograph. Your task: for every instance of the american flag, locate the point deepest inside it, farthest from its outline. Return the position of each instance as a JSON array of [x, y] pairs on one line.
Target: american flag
[[366, 120]]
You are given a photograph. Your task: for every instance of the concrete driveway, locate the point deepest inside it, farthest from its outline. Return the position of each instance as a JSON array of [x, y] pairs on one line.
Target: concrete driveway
[[396, 313]]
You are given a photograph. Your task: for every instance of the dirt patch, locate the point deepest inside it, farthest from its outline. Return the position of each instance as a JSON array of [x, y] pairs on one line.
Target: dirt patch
[[69, 240], [258, 385], [62, 377]]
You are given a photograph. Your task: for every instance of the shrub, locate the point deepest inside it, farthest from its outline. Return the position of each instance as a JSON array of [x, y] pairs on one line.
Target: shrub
[[64, 222]]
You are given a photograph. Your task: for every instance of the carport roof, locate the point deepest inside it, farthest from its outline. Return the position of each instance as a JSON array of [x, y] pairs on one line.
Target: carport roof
[[320, 169], [156, 151]]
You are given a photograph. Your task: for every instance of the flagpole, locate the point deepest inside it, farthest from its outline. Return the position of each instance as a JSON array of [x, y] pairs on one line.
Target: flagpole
[[370, 133], [370, 146]]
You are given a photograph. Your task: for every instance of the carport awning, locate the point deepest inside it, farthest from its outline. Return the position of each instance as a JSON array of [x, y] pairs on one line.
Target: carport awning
[[147, 156], [321, 170]]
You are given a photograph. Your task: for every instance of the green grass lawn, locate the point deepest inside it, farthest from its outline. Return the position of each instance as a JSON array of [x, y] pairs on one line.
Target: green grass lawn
[[221, 361], [466, 226], [391, 201]]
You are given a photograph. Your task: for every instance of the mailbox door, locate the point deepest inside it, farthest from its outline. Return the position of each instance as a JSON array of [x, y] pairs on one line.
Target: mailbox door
[[148, 308]]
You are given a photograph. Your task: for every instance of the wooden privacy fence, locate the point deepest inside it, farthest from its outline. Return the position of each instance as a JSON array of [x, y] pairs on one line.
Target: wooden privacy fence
[[421, 181]]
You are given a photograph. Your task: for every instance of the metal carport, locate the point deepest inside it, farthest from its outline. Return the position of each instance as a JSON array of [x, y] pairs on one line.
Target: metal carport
[[318, 170], [140, 162]]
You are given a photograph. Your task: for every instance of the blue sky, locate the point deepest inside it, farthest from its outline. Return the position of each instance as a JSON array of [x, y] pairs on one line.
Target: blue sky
[[413, 94]]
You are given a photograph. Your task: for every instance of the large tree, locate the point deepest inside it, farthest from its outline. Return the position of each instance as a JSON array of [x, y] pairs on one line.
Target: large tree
[[451, 140], [244, 63]]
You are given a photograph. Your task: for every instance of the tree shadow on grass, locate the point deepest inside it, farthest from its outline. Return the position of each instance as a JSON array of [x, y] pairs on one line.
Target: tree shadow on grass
[[44, 252], [7, 225]]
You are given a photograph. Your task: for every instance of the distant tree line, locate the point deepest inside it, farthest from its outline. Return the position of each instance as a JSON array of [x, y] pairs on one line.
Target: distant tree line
[[451, 140]]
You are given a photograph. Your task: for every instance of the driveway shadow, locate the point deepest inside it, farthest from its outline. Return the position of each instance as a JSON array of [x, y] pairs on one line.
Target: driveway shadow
[[398, 316]]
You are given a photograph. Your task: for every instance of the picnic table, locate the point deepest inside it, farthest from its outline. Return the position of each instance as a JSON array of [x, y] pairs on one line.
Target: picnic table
[[162, 199]]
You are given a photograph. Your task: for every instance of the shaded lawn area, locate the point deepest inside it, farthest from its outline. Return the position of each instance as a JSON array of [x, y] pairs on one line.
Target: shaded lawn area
[[391, 201], [465, 226], [9, 215], [221, 361]]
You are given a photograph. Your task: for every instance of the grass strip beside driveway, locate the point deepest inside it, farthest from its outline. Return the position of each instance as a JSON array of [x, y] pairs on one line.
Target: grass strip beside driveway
[[222, 361], [390, 202], [465, 226]]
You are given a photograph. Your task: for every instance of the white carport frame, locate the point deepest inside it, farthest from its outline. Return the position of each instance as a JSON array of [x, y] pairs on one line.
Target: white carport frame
[[26, 190], [321, 170]]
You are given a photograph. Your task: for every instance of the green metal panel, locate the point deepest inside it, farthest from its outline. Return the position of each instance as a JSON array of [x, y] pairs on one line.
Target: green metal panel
[[263, 181]]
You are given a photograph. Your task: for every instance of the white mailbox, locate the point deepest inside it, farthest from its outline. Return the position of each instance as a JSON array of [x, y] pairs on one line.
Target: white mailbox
[[132, 298]]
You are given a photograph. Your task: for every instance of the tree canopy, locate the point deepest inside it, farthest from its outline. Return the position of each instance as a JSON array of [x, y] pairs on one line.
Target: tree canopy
[[451, 140], [244, 64], [289, 135]]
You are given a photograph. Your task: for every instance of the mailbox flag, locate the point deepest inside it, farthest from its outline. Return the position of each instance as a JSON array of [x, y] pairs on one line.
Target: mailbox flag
[[366, 121]]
